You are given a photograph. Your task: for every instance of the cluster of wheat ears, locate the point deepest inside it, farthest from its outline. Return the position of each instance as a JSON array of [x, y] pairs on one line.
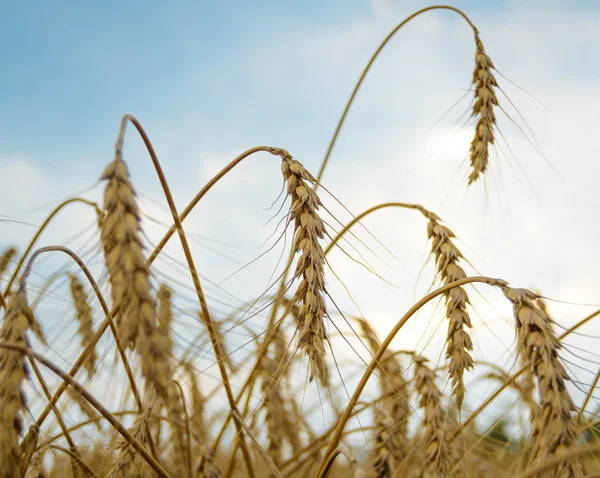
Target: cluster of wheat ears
[[166, 424]]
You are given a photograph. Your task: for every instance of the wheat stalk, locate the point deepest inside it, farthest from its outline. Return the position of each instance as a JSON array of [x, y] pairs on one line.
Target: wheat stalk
[[83, 405]]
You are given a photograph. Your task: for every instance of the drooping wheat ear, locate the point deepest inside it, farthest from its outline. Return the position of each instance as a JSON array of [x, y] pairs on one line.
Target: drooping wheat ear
[[554, 427], [129, 462], [6, 259], [13, 373], [437, 453], [459, 343], [165, 314], [385, 447], [485, 100], [130, 278], [309, 229], [86, 324]]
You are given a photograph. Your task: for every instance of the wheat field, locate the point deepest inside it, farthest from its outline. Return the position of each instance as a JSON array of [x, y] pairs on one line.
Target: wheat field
[[121, 357]]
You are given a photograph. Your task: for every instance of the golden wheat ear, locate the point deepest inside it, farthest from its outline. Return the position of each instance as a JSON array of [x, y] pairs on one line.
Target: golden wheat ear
[[554, 428], [85, 322], [459, 343], [6, 259], [309, 230], [484, 84], [13, 372], [129, 462], [438, 455], [130, 278]]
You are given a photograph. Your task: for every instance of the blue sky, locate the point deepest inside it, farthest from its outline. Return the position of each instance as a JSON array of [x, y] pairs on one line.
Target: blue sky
[[211, 79], [71, 68]]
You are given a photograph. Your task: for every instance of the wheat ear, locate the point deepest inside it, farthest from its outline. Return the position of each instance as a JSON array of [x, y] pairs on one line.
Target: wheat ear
[[483, 108], [459, 343], [274, 407], [207, 467], [386, 446], [437, 454], [130, 463], [554, 427], [28, 447], [6, 259], [392, 381], [309, 230], [85, 320], [129, 276], [13, 373]]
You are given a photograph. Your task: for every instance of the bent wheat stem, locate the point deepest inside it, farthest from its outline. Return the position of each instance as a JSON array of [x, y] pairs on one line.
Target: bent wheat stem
[[385, 344], [212, 330], [368, 67], [38, 233]]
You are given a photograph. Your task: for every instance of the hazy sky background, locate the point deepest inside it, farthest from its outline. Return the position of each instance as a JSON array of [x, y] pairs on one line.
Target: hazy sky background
[[211, 79]]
